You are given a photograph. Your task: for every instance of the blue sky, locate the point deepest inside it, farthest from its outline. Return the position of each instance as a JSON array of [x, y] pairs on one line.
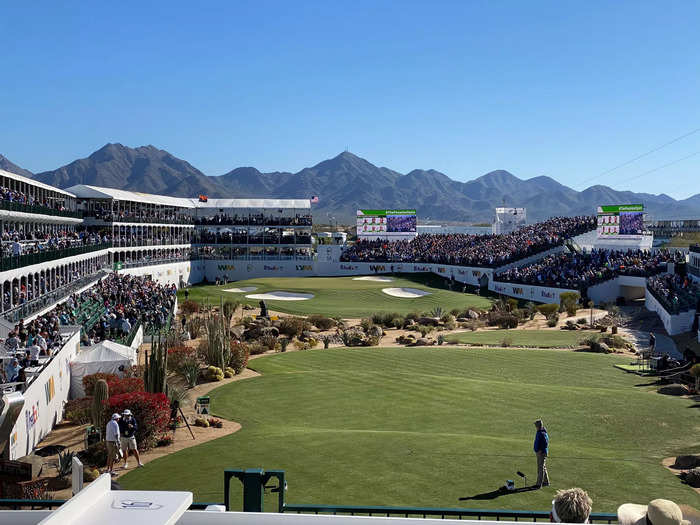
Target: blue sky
[[565, 89]]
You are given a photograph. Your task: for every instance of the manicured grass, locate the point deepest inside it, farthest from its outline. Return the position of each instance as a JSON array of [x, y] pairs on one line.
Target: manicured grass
[[428, 426], [533, 338], [344, 296]]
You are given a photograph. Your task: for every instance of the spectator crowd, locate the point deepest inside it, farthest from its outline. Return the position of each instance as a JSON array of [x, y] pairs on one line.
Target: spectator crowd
[[19, 242], [677, 293], [9, 195], [473, 250], [579, 270]]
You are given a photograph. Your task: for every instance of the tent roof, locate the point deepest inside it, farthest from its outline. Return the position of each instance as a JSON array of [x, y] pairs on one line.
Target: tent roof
[[106, 351], [33, 182], [96, 192]]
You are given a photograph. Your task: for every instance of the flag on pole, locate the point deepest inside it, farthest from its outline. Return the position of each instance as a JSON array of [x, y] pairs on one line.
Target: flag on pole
[[314, 199]]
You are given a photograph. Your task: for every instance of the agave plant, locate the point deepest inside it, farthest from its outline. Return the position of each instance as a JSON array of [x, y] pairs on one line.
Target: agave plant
[[65, 463]]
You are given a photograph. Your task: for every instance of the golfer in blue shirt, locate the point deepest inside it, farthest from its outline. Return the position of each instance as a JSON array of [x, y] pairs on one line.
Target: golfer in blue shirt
[[541, 448]]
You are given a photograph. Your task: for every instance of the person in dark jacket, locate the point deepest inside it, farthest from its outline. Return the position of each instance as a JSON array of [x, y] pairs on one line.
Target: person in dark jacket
[[541, 448]]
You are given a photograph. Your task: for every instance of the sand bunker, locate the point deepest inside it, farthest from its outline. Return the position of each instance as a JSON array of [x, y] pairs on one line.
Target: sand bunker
[[373, 278], [242, 290], [281, 296], [405, 293]]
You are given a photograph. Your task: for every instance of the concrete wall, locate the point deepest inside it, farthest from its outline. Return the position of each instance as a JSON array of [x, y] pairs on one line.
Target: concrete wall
[[187, 272], [626, 286], [43, 401], [538, 294], [674, 324]]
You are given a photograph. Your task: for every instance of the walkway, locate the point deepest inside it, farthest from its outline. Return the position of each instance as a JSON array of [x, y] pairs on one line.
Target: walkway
[[664, 344]]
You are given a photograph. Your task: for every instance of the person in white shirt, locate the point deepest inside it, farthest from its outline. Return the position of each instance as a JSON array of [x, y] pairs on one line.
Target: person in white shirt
[[113, 442], [16, 249]]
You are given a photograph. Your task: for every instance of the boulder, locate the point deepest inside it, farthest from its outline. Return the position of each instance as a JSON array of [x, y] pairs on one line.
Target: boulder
[[270, 330], [306, 335], [375, 331], [422, 342], [604, 348], [428, 321], [686, 462], [692, 477], [472, 314], [237, 331], [674, 390]]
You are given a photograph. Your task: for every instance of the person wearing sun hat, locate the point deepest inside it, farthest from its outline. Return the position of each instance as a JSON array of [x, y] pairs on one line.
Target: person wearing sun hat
[[127, 429], [658, 512], [112, 441]]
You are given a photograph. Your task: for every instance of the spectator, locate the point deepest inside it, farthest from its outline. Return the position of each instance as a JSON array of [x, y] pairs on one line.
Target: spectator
[[127, 428], [658, 512], [113, 442], [571, 506], [12, 370]]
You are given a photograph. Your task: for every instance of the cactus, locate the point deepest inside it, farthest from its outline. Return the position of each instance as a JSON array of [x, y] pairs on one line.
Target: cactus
[[228, 309], [218, 344], [99, 398], [155, 371]]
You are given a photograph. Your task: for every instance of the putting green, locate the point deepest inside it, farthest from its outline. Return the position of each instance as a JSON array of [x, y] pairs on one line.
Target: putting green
[[343, 296], [428, 426]]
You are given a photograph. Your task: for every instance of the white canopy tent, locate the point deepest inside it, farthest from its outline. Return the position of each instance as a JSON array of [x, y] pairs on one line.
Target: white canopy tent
[[106, 357]]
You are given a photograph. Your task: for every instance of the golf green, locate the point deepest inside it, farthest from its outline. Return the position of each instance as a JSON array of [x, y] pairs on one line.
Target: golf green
[[432, 426], [343, 296]]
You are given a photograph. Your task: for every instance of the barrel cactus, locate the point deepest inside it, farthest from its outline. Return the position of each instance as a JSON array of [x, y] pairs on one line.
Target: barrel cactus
[[99, 399]]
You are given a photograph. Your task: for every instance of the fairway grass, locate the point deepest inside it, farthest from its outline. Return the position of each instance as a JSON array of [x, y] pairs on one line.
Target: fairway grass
[[343, 296], [428, 426], [532, 338]]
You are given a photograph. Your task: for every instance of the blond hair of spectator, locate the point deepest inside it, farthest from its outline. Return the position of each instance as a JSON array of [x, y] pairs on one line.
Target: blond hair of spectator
[[571, 506]]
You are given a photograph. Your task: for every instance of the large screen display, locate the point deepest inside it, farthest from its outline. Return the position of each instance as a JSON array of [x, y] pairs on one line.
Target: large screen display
[[386, 223], [624, 221]]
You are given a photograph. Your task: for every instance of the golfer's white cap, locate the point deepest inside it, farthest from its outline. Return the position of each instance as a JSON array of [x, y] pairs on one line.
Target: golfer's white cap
[[116, 416]]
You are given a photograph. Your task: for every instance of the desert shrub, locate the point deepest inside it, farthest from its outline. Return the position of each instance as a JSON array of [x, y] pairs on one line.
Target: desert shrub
[[230, 308], [256, 348], [531, 309], [440, 339], [552, 320], [247, 321], [165, 441], [214, 373], [511, 304], [507, 341], [269, 341], [451, 324], [582, 321], [301, 345], [456, 312], [201, 422], [424, 329], [321, 321], [178, 354], [398, 322], [152, 412], [352, 337], [195, 325], [95, 455], [312, 342], [437, 312], [294, 326], [216, 423], [326, 339], [240, 352], [569, 302], [413, 316], [508, 321], [548, 309], [593, 344], [189, 307], [125, 385], [284, 343], [570, 325], [90, 474], [90, 380], [78, 410], [189, 370], [614, 341], [366, 324]]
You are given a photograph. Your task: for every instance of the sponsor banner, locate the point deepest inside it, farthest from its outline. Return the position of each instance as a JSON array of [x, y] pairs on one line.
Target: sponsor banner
[[304, 268], [377, 268], [349, 267]]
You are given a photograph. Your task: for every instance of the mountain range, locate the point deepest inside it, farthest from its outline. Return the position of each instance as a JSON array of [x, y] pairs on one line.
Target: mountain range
[[347, 182]]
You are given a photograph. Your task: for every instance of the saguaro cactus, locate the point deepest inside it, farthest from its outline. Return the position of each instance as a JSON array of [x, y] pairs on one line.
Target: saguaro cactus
[[99, 398]]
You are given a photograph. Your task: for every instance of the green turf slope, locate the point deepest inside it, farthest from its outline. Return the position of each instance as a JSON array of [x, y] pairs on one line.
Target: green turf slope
[[427, 426], [554, 338], [343, 296]]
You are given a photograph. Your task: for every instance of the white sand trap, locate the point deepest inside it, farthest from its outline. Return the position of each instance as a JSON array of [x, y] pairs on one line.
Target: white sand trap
[[405, 293], [282, 296], [242, 290], [373, 278]]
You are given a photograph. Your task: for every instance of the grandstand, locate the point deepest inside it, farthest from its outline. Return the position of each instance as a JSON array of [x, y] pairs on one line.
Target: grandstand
[[93, 264]]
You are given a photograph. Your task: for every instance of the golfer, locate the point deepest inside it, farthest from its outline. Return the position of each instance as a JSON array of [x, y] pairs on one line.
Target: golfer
[[127, 430], [541, 448]]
